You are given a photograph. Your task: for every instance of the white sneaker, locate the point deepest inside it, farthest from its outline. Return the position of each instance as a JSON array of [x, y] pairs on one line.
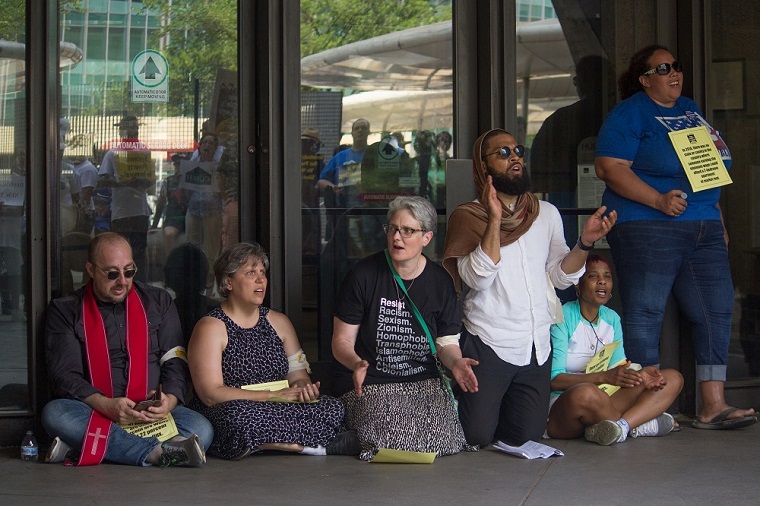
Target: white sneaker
[[603, 433], [57, 451], [659, 426]]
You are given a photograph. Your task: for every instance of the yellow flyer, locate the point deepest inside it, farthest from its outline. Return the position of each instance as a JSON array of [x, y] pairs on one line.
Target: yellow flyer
[[700, 158], [269, 387], [601, 362], [389, 456], [163, 429]]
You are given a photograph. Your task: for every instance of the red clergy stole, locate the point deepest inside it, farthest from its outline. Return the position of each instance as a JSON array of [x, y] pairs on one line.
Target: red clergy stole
[[95, 440]]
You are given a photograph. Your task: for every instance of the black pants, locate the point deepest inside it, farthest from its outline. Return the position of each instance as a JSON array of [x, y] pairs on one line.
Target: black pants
[[512, 401]]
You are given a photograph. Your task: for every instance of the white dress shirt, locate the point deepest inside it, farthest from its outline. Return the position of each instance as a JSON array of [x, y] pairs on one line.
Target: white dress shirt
[[507, 305]]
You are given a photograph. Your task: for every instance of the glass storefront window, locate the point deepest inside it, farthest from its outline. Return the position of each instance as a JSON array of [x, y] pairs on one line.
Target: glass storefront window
[[14, 393], [149, 144], [563, 98], [375, 123]]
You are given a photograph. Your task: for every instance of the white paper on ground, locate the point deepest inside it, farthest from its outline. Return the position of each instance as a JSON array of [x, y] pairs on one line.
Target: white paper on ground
[[529, 450]]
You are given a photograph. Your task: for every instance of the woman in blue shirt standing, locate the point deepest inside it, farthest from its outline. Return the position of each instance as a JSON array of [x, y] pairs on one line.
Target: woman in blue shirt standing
[[667, 237]]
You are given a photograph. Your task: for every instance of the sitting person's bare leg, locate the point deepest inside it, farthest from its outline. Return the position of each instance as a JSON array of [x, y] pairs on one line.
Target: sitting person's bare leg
[[640, 405], [577, 408], [283, 447]]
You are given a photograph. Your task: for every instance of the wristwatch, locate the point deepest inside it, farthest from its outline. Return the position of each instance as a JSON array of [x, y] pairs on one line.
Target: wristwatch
[[583, 246]]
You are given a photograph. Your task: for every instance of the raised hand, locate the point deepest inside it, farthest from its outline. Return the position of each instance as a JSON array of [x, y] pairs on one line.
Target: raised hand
[[598, 225]]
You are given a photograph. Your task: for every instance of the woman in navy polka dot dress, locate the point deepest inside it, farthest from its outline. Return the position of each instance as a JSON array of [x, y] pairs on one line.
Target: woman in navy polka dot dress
[[244, 343]]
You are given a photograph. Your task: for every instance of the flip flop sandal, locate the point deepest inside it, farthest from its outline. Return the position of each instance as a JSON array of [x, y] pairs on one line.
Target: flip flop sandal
[[722, 422]]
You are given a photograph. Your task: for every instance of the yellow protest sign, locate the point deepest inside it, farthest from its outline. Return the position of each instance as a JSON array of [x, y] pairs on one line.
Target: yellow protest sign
[[700, 158], [350, 174], [310, 164], [132, 165], [601, 362], [163, 429]]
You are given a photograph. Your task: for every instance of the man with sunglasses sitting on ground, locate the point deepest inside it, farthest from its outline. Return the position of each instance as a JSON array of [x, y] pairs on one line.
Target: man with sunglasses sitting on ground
[[109, 346], [504, 246]]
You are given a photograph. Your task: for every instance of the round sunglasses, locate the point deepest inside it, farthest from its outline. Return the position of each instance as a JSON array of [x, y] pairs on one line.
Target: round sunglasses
[[663, 69], [113, 275], [505, 152]]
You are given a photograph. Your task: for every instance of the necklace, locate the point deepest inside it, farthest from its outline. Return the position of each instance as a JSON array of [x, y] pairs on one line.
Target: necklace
[[402, 296], [593, 344]]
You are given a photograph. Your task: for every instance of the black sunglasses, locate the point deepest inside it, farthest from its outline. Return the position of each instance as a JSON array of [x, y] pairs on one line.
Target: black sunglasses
[[114, 275], [505, 151], [663, 69]]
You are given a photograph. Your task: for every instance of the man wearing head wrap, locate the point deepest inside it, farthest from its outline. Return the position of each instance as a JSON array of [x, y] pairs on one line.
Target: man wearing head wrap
[[506, 247]]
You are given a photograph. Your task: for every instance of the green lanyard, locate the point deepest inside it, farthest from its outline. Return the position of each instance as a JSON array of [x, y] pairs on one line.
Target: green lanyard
[[444, 379]]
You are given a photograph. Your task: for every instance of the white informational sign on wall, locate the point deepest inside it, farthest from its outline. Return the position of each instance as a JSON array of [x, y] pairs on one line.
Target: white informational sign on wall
[[150, 77], [590, 187]]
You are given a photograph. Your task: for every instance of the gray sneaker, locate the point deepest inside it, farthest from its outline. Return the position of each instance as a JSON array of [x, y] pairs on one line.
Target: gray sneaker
[[659, 426], [604, 433], [182, 452], [59, 451]]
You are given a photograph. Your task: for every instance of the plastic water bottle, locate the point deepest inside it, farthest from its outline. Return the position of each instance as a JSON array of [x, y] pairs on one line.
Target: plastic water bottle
[[29, 447]]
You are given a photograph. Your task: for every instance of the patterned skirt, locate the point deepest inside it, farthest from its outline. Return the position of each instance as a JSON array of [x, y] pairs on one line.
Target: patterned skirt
[[242, 425], [416, 416]]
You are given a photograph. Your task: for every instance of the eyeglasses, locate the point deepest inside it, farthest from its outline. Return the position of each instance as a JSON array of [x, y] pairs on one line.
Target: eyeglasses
[[505, 152], [405, 232], [663, 69], [113, 275]]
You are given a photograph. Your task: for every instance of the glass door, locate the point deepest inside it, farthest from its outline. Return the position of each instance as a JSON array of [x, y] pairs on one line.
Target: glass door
[[375, 123], [149, 140], [14, 380]]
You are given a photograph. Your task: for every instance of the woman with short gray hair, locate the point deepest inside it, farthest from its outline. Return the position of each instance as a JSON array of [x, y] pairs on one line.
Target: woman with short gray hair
[[391, 307]]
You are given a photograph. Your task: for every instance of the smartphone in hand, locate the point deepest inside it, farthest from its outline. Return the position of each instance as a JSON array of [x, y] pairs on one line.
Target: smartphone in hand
[[153, 400]]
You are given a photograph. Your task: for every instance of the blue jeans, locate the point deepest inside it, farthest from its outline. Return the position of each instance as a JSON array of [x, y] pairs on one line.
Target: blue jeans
[[67, 419], [689, 258]]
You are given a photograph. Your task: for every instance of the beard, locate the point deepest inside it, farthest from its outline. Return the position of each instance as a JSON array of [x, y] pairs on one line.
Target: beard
[[510, 185]]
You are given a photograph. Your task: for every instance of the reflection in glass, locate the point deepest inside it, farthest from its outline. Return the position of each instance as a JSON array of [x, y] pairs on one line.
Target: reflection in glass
[[149, 135], [14, 394], [564, 81], [384, 122]]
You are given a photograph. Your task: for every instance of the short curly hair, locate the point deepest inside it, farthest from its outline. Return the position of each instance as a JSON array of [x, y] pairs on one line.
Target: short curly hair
[[231, 260]]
